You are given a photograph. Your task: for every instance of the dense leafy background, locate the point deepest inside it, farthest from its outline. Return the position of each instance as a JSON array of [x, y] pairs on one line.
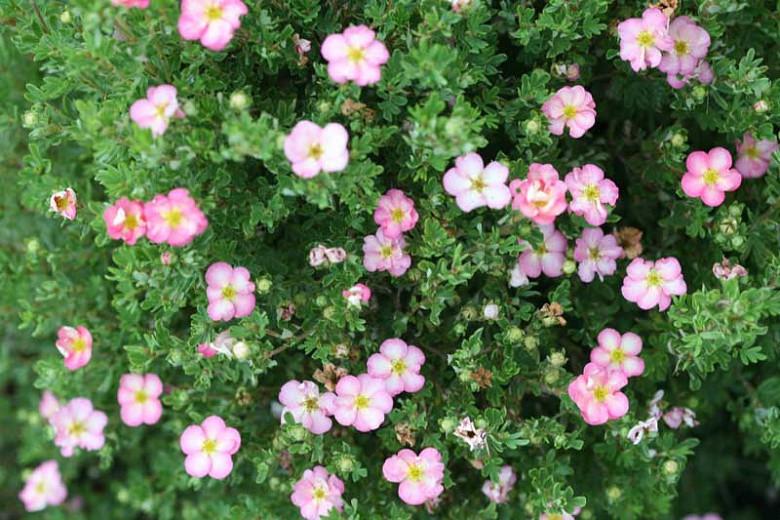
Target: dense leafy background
[[454, 84]]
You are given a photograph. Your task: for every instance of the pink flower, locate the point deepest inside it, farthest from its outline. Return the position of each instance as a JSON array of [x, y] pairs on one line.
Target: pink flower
[[139, 399], [222, 344], [649, 283], [230, 292], [49, 405], [355, 55], [590, 191], [499, 492], [206, 350], [753, 157], [705, 516], [213, 22], [689, 46], [541, 196], [141, 4], [381, 253], [166, 258], [78, 425], [710, 175], [571, 107], [307, 406], [362, 402], [547, 258], [675, 417], [311, 149], [125, 220], [174, 218], [475, 185], [209, 447], [157, 109], [616, 352], [395, 213], [459, 5], [320, 255], [357, 294], [643, 39], [64, 203], [398, 364], [43, 487], [75, 344], [596, 254], [317, 493], [597, 394], [420, 476]]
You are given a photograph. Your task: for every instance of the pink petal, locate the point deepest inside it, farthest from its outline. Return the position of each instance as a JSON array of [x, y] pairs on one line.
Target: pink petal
[[197, 464]]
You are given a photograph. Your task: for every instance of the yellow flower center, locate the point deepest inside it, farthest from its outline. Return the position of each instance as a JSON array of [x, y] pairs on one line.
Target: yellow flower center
[[61, 203], [570, 111], [752, 152], [161, 109], [310, 404], [77, 428], [397, 215], [478, 184], [355, 54], [415, 473], [591, 193], [600, 393], [131, 222], [555, 516], [541, 249], [710, 176], [386, 251], [79, 345], [653, 278], [173, 217], [594, 253], [361, 402], [645, 39], [398, 367], [213, 13], [40, 488], [209, 446], [141, 397], [228, 292], [681, 47], [617, 356], [319, 493], [316, 151]]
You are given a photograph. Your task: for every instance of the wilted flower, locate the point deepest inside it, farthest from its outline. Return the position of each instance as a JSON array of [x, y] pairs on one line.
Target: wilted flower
[[476, 438]]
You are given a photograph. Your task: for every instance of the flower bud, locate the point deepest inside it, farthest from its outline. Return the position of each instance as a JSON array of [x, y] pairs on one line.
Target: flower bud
[[241, 350], [65, 16], [551, 376], [490, 311], [569, 266], [532, 126], [515, 334], [29, 119], [557, 359], [614, 493], [448, 424], [678, 140], [699, 92], [761, 106], [239, 101], [671, 467], [531, 342]]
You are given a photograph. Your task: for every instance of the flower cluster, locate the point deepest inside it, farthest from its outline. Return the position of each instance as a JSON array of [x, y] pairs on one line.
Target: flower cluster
[[674, 418]]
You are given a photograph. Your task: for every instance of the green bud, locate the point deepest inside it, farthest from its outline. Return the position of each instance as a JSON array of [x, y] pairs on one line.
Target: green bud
[[531, 343], [329, 312], [122, 496], [65, 16], [324, 106], [263, 285], [678, 140], [569, 266], [532, 126], [699, 92], [671, 467], [33, 246], [239, 101], [297, 432], [241, 350], [551, 376], [515, 334], [29, 119], [465, 376], [614, 493], [448, 424], [737, 241], [557, 359], [346, 464]]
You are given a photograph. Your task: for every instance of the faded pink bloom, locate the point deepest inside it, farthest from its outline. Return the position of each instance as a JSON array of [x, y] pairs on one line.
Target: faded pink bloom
[[398, 364], [307, 406], [139, 399], [335, 255], [141, 4], [49, 405], [675, 417], [302, 45], [498, 492], [571, 107], [357, 294], [75, 344], [207, 350], [209, 447], [649, 283], [230, 292], [689, 46], [317, 493], [541, 196], [548, 257], [43, 488], [723, 270], [475, 185], [596, 254], [312, 149], [639, 430], [64, 203], [320, 255], [213, 22], [420, 476], [395, 213], [705, 516], [78, 425], [166, 258], [381, 253], [156, 110], [355, 55], [590, 191], [643, 39], [573, 72], [703, 72], [753, 157], [362, 402], [125, 220], [616, 352], [517, 277], [467, 431], [174, 218], [597, 394], [710, 175], [459, 5]]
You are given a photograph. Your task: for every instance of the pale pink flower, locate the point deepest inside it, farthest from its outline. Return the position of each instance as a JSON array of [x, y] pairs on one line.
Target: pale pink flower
[[335, 255], [395, 213], [710, 175], [573, 72], [596, 254], [460, 5], [541, 196], [320, 255], [548, 257], [705, 516], [302, 45], [590, 191], [703, 73], [125, 220], [398, 364], [312, 149], [49, 405], [307, 406], [317, 493], [174, 218], [723, 270], [475, 185], [209, 447], [420, 476], [517, 277], [362, 402], [230, 292], [597, 394], [675, 417], [207, 350], [140, 4], [753, 157], [689, 46], [355, 55], [572, 108], [467, 431], [498, 492], [166, 258], [213, 22], [156, 110], [381, 253], [43, 488], [357, 294], [619, 352], [643, 39], [75, 345], [139, 399], [639, 430], [649, 283], [64, 203], [78, 425]]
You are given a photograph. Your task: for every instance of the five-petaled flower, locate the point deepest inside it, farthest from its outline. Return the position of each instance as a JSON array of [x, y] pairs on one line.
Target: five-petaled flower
[[307, 406], [362, 402], [209, 448], [498, 492], [590, 193], [649, 283], [572, 108], [597, 254], [398, 364], [597, 394], [213, 22], [355, 55], [230, 292], [156, 109], [619, 352], [125, 220], [317, 493], [174, 218], [381, 253], [43, 488], [710, 175], [139, 399], [312, 149], [541, 196], [753, 157], [420, 476], [643, 39], [75, 344], [395, 213], [475, 185], [78, 425], [547, 257], [64, 203]]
